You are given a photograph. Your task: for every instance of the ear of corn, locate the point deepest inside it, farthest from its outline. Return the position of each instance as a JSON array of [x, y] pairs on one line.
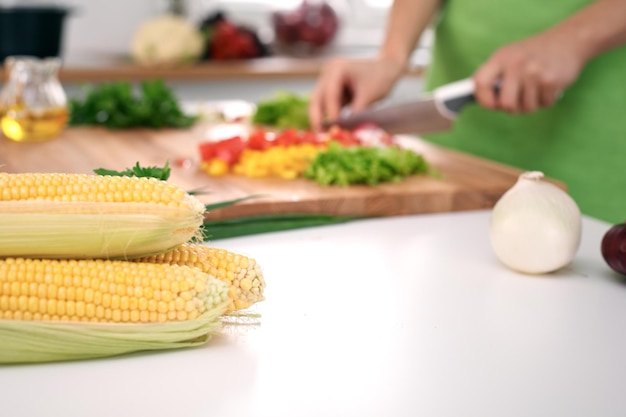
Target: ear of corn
[[242, 274], [93, 216], [32, 341], [76, 309]]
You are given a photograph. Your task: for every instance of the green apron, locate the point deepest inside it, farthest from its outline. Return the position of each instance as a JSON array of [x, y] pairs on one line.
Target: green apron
[[580, 141]]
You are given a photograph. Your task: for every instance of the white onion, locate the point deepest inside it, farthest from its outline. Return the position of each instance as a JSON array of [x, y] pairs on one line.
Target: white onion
[[535, 226]]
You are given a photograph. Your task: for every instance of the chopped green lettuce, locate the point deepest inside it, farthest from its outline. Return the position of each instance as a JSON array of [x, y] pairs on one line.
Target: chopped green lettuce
[[340, 165], [284, 110]]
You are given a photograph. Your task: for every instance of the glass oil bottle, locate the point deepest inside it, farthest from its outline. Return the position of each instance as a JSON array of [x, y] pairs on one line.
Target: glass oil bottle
[[33, 104]]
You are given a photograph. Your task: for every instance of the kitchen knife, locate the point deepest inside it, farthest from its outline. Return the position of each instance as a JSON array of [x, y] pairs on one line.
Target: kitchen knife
[[433, 113]]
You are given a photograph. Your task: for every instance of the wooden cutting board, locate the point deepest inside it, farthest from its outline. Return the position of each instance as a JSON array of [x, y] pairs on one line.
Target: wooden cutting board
[[466, 182]]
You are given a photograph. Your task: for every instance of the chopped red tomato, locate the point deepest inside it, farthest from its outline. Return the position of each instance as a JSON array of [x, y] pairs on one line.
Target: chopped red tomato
[[288, 137], [308, 136], [207, 150], [344, 137], [228, 150], [259, 140]]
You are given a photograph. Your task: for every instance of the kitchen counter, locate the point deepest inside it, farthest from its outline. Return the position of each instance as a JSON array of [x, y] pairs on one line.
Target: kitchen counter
[[252, 80], [398, 316], [106, 67], [408, 315]]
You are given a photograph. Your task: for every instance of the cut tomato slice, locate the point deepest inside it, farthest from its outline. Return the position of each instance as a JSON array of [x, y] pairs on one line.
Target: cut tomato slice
[[207, 150], [288, 137], [309, 136], [342, 136], [228, 150], [259, 140]]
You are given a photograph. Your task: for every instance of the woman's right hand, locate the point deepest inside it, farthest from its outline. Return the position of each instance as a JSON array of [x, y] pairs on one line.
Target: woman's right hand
[[355, 83]]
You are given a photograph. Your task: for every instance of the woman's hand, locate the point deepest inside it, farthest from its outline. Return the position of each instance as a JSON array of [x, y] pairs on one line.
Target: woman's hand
[[530, 74], [356, 83]]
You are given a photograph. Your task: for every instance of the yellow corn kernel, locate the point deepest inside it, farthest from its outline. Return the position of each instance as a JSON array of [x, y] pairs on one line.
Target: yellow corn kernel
[[93, 216], [208, 292], [286, 162], [288, 174], [215, 167], [242, 274]]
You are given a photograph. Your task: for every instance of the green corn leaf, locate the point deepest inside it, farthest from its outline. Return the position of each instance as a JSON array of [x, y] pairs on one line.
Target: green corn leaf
[[252, 225], [35, 341], [221, 204]]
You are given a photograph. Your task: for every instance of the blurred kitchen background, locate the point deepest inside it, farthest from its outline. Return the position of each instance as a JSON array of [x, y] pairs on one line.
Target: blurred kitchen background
[[97, 39]]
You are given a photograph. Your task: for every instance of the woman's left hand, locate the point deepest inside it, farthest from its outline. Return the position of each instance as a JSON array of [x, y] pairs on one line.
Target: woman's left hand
[[530, 74]]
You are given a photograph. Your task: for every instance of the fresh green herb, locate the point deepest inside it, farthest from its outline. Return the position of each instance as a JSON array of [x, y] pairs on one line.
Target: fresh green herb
[[139, 171], [340, 165], [266, 223], [284, 110], [116, 106]]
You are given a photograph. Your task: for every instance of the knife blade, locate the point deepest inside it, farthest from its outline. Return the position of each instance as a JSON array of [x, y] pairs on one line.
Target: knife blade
[[432, 113]]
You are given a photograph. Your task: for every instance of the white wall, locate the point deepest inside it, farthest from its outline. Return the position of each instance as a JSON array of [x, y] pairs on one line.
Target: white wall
[[106, 27]]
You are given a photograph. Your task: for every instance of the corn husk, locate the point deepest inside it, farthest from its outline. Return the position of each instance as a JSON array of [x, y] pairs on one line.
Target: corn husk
[[30, 341], [44, 229]]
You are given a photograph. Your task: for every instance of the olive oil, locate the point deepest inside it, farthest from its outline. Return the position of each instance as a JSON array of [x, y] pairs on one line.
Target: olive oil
[[33, 100], [25, 125]]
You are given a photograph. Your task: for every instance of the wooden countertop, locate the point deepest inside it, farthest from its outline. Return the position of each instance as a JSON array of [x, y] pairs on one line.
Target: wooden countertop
[[100, 68]]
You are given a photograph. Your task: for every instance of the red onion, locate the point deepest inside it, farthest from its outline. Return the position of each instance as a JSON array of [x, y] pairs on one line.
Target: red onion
[[614, 248]]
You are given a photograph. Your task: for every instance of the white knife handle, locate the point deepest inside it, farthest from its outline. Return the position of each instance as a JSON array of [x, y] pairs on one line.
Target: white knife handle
[[451, 98]]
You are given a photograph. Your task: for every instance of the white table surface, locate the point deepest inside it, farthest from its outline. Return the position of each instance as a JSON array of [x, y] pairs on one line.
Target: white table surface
[[403, 316]]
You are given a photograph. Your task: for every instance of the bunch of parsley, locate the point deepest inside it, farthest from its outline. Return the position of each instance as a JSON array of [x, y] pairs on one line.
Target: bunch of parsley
[[116, 105]]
